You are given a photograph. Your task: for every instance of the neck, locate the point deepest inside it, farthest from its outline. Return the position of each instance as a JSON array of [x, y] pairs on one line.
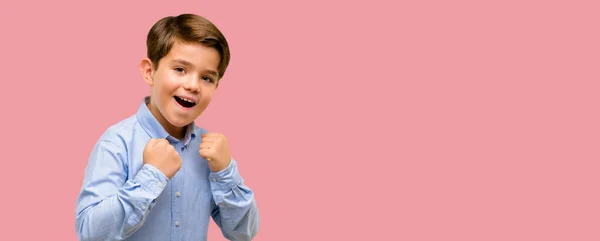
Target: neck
[[177, 132]]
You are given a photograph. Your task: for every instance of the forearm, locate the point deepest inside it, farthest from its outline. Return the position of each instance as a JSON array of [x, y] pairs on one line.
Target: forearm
[[236, 212], [122, 214]]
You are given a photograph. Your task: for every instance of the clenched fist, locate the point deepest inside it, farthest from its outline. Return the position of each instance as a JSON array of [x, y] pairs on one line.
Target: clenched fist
[[215, 150], [162, 155]]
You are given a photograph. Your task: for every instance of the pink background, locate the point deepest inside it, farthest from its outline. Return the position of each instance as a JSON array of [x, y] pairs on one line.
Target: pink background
[[372, 120]]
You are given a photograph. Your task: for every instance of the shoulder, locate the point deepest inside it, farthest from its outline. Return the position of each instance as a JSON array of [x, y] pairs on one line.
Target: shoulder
[[120, 133], [112, 147]]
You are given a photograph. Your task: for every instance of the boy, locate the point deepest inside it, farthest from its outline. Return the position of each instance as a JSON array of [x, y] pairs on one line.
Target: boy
[[156, 175]]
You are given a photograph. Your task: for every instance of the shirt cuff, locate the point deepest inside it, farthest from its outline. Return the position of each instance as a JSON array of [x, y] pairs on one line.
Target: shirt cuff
[[151, 179], [225, 179]]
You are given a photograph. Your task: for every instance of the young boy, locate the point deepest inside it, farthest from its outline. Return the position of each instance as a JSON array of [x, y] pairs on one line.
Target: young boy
[[156, 175]]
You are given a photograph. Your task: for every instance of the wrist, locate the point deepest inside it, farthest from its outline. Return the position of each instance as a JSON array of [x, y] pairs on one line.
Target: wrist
[[219, 166], [151, 179]]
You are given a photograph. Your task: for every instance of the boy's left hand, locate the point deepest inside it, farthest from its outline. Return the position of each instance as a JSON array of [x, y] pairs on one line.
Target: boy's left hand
[[215, 150]]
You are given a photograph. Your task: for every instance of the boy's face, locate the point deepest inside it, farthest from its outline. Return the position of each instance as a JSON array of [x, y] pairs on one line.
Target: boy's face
[[183, 84]]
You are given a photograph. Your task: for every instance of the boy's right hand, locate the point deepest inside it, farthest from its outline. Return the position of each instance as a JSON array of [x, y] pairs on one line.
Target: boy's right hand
[[162, 155]]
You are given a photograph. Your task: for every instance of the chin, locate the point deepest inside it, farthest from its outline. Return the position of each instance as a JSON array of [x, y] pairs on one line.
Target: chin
[[179, 122]]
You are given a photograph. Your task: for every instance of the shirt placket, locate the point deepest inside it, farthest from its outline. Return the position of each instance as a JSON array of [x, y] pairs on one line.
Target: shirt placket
[[176, 198]]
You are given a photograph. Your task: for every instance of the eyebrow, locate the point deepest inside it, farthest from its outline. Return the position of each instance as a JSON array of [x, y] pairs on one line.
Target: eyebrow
[[188, 64], [183, 62]]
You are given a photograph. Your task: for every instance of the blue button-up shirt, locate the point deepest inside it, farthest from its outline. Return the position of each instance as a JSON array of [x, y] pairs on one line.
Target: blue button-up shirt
[[123, 198]]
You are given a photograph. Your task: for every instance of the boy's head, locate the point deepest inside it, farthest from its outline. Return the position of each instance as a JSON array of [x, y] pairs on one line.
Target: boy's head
[[187, 56]]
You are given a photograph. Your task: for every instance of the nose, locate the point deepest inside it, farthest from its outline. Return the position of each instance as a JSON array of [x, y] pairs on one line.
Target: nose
[[190, 84]]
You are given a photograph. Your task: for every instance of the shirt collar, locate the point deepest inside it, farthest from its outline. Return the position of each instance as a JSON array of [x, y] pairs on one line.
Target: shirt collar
[[151, 125]]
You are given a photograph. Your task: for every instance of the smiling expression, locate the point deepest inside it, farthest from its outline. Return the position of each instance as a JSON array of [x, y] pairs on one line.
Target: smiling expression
[[183, 84]]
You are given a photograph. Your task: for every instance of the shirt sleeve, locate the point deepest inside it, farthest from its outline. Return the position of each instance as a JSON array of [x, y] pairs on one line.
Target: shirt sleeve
[[234, 210], [109, 206]]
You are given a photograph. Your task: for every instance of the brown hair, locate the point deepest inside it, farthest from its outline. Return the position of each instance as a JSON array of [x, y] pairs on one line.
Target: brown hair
[[189, 28]]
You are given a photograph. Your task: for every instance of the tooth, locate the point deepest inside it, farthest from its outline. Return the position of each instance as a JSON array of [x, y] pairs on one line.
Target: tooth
[[184, 99]]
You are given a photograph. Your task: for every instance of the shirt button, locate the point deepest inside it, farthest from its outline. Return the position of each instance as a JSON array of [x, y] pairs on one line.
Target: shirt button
[[143, 207], [176, 223], [177, 194], [214, 179]]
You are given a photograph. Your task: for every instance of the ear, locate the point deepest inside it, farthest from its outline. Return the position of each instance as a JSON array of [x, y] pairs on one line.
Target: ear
[[147, 70]]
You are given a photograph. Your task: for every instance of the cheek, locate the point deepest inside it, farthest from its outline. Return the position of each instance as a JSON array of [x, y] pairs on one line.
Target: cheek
[[168, 82], [206, 97], [208, 92]]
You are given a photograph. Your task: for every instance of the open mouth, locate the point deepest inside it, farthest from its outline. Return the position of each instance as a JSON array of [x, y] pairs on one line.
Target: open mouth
[[185, 102]]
